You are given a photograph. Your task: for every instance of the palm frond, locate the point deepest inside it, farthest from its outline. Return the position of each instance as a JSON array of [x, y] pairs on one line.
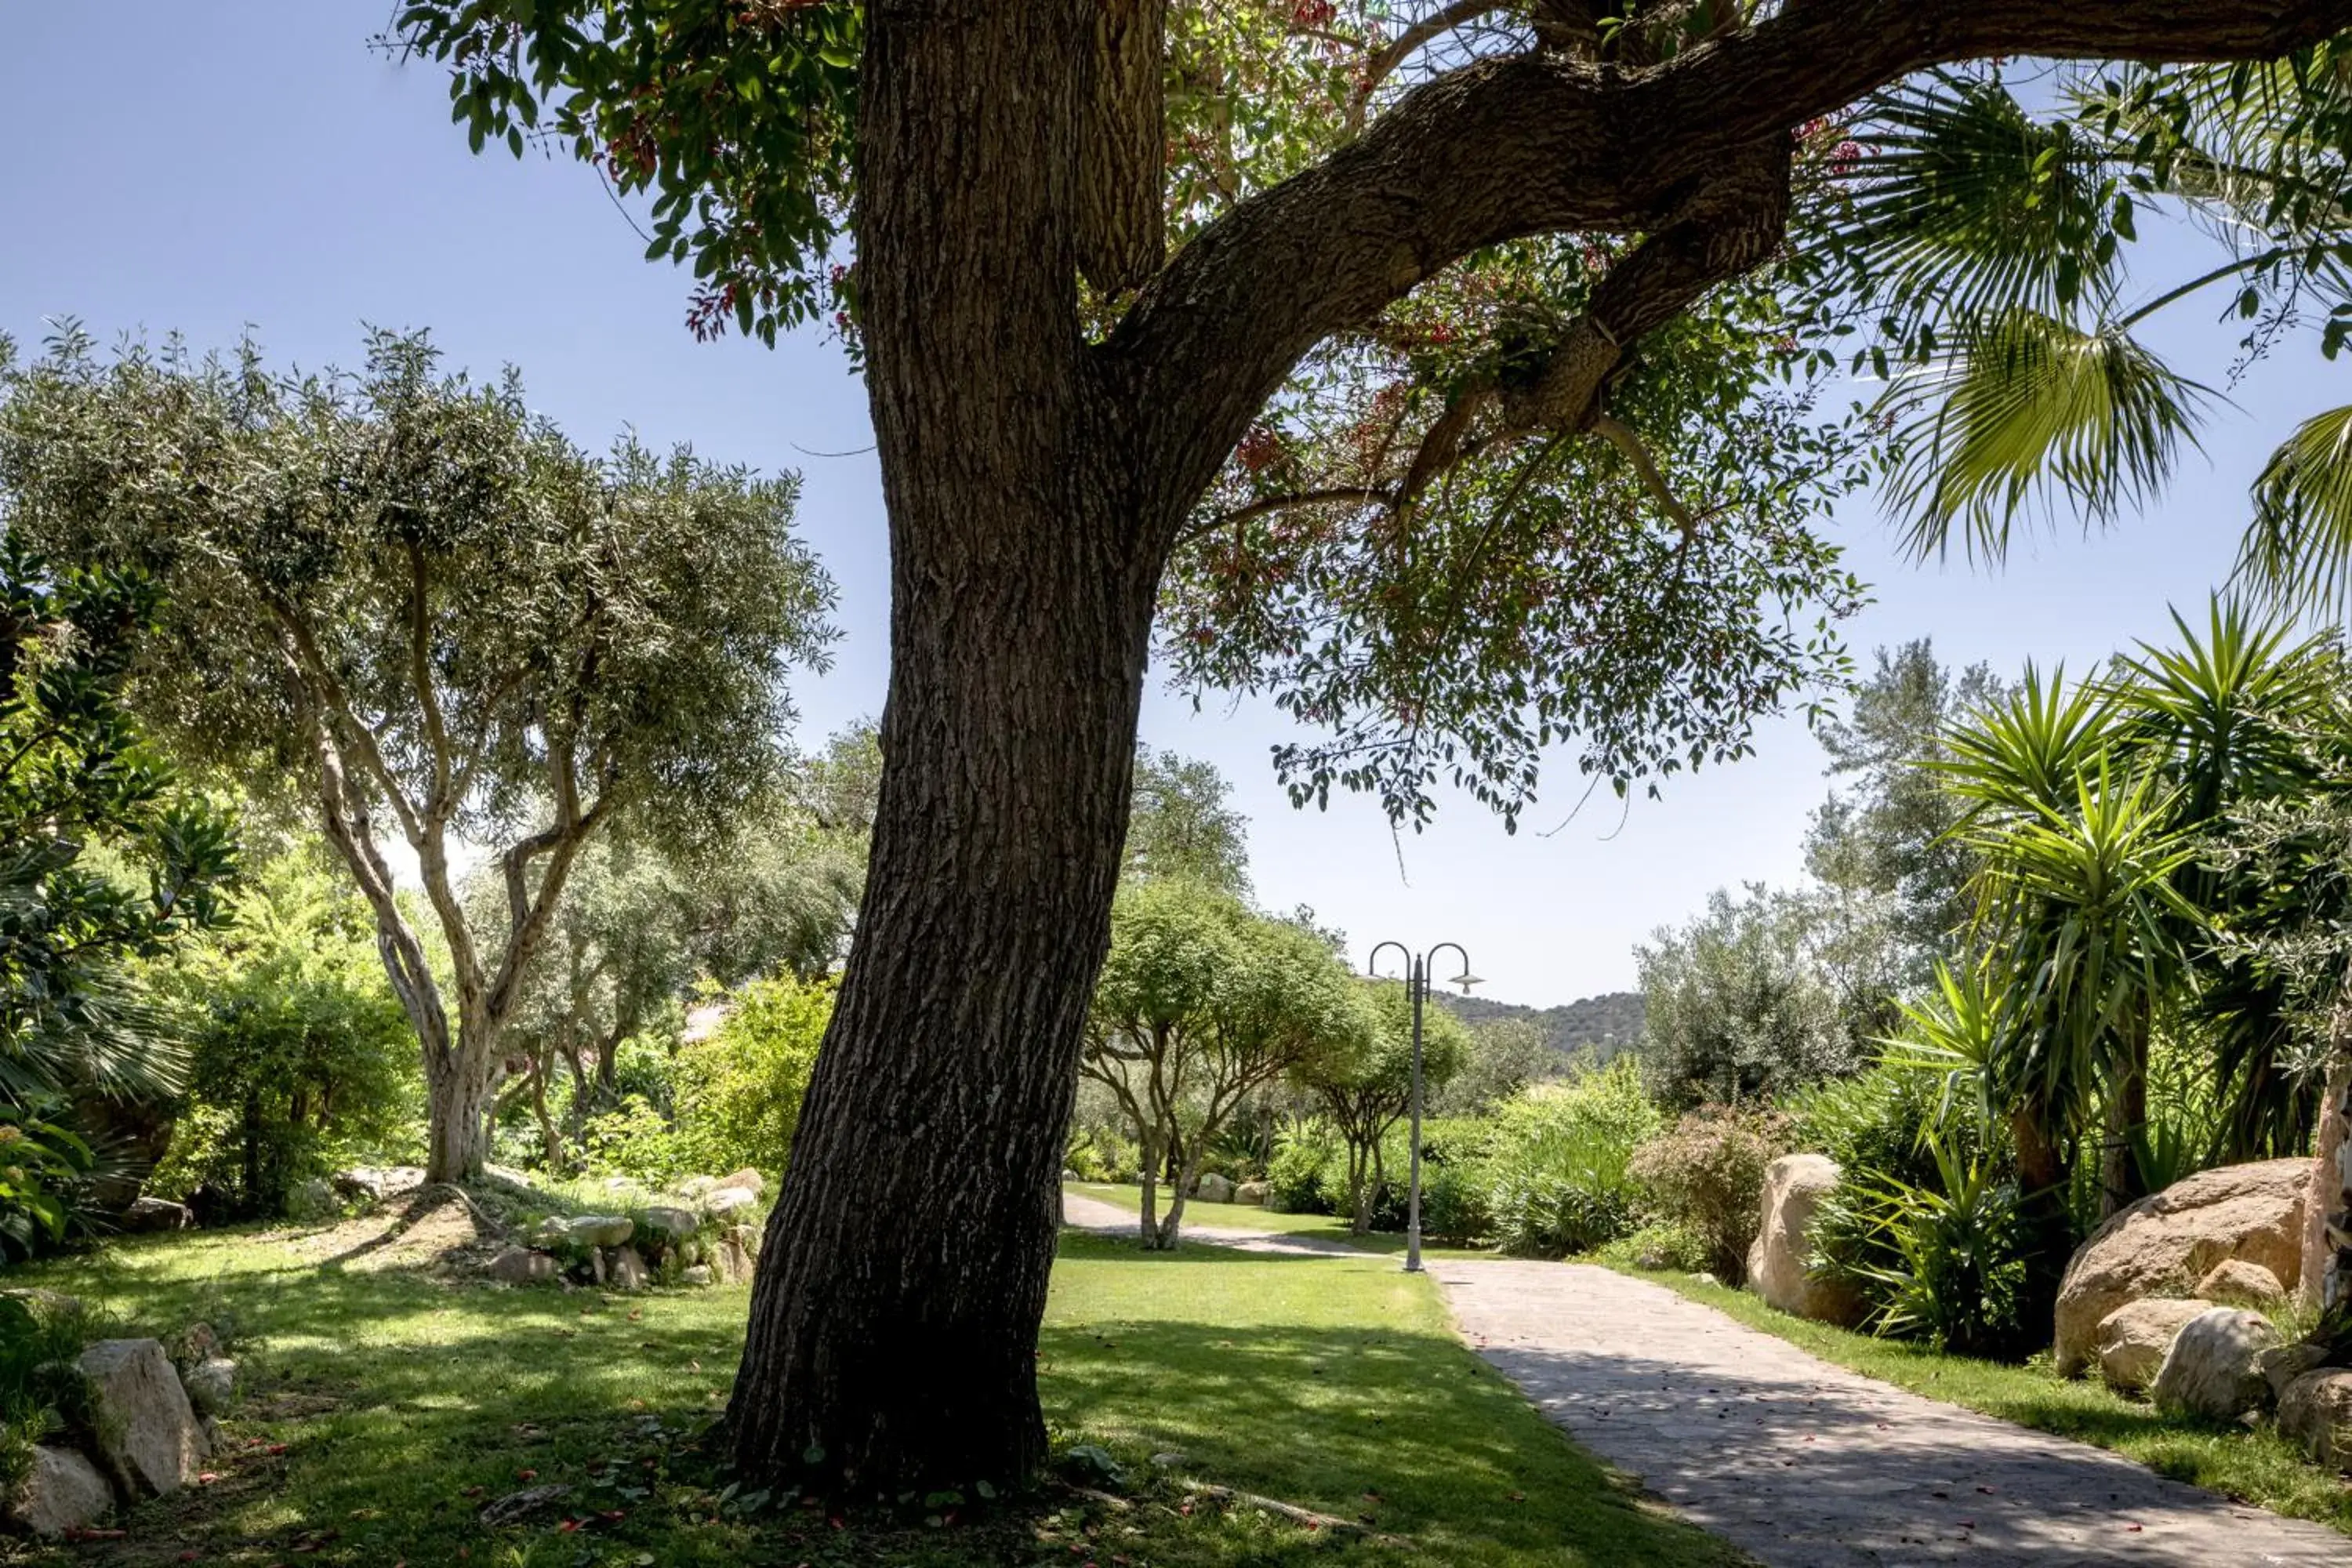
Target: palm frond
[[2297, 553], [2027, 407]]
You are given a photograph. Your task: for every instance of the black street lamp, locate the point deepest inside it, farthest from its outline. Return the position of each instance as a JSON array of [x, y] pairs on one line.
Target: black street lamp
[[1416, 984]]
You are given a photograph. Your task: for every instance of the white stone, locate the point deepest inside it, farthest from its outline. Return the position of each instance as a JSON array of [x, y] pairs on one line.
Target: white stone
[[145, 1427], [2214, 1370], [210, 1385], [60, 1492], [2132, 1340]]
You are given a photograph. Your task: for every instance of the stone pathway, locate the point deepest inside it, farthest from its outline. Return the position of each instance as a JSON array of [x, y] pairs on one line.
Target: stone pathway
[[1806, 1465], [1799, 1463], [1100, 1218]]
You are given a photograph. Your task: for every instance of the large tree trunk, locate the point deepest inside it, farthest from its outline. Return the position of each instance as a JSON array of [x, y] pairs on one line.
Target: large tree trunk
[[894, 1319]]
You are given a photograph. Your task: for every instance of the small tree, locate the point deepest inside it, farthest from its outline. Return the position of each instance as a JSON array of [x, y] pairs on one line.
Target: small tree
[[1737, 1005], [1365, 1085], [1200, 1002], [458, 626], [1504, 1056]]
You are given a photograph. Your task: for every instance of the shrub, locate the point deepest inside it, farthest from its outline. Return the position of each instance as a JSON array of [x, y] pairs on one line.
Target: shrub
[[1944, 1262], [635, 1140], [740, 1088], [42, 1166], [1658, 1246], [1557, 1164], [38, 1386], [1706, 1173], [1296, 1177]]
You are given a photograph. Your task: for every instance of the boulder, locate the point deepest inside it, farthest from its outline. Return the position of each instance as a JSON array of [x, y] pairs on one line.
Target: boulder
[[2235, 1282], [2131, 1341], [522, 1266], [697, 1274], [368, 1184], [695, 1186], [60, 1492], [667, 1223], [313, 1200], [2163, 1245], [625, 1269], [730, 1261], [600, 1230], [1777, 1263], [1251, 1193], [51, 1304], [147, 1215], [2214, 1370], [746, 1180], [721, 1200], [146, 1430], [747, 1237], [2315, 1411], [210, 1385], [1214, 1188], [2287, 1363]]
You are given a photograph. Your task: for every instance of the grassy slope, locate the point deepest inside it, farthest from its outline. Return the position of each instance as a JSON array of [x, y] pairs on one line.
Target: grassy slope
[[2252, 1466], [382, 1409], [1248, 1217]]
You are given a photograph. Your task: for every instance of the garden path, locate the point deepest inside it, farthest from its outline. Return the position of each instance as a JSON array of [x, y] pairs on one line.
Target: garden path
[[1807, 1464], [1799, 1463]]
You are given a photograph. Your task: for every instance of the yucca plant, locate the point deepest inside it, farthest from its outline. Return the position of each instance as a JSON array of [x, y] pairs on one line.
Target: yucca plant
[[1946, 1262]]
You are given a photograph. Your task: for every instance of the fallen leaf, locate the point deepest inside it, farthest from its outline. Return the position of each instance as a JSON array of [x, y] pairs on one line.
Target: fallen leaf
[[275, 1449], [525, 1475]]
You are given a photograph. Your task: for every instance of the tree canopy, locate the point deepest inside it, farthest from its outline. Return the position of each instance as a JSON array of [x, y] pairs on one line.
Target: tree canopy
[[410, 592]]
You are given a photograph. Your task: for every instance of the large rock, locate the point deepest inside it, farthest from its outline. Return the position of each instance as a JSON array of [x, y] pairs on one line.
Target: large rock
[[2234, 1282], [600, 1230], [2214, 1370], [625, 1269], [154, 1214], [721, 1200], [2287, 1363], [1251, 1193], [746, 1180], [2162, 1246], [313, 1200], [1214, 1188], [2132, 1340], [60, 1492], [1794, 1187], [145, 1428], [669, 1223], [2315, 1410]]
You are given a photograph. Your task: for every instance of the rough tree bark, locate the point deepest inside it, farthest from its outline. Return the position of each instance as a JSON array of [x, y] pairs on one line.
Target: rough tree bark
[[1034, 484]]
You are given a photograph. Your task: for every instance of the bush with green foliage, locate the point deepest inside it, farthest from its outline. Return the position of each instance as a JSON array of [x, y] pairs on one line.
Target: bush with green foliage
[[740, 1088], [1944, 1261], [1658, 1246], [1304, 1152], [42, 1166], [1556, 1167], [302, 1059], [40, 1338], [1707, 1174]]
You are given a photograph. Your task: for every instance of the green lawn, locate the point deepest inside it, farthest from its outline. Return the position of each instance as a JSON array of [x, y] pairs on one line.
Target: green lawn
[[2251, 1465], [1249, 1216], [385, 1407]]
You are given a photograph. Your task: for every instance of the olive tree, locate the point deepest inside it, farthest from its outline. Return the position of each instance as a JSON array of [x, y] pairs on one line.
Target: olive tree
[[1200, 1002], [456, 628], [1419, 367]]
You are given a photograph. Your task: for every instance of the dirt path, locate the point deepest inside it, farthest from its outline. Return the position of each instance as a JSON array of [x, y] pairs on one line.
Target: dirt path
[[1806, 1465], [1799, 1463]]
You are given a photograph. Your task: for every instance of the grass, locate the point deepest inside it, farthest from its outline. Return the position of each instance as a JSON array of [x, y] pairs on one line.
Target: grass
[[1249, 1216], [2251, 1465], [384, 1407]]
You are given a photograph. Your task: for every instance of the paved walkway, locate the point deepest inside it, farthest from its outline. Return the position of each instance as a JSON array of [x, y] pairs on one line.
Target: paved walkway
[[1799, 1463], [1807, 1464]]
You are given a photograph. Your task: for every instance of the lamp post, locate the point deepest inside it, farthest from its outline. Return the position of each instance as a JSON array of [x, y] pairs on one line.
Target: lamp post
[[1416, 985]]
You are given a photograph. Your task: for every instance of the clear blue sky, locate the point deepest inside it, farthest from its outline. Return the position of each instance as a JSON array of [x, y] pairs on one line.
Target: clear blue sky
[[204, 168]]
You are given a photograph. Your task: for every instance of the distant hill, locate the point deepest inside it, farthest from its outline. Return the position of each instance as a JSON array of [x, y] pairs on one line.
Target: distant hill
[[1606, 1024]]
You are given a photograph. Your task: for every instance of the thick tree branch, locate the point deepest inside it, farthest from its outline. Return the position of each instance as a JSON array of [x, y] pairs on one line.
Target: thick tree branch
[[1535, 143]]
